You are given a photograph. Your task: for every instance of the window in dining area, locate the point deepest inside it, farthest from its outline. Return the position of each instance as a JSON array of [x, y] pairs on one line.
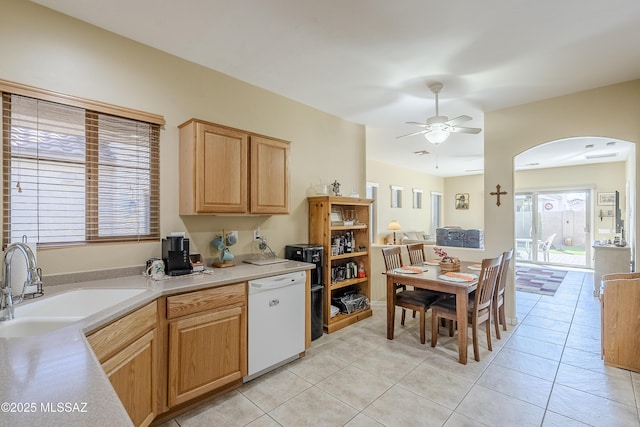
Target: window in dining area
[[396, 196], [372, 193], [436, 208], [417, 198]]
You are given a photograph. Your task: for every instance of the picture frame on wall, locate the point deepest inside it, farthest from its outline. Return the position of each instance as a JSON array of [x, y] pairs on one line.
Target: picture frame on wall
[[606, 199], [462, 201]]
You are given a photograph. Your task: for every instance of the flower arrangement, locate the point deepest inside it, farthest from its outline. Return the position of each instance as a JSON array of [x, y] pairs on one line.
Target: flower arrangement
[[444, 256], [447, 263]]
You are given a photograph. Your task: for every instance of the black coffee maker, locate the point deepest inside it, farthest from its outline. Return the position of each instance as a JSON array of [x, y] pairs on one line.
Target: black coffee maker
[[175, 254]]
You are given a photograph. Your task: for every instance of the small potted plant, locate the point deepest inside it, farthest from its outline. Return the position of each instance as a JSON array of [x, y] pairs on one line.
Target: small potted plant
[[447, 263]]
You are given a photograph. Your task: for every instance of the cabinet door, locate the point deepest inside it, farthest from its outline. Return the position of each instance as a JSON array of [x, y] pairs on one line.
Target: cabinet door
[[269, 176], [621, 324], [206, 351], [127, 350], [132, 372], [221, 170]]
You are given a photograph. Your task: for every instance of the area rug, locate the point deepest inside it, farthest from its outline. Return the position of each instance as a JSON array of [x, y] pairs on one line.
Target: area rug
[[538, 280]]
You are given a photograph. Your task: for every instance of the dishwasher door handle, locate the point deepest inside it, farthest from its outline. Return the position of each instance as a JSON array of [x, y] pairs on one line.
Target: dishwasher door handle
[[274, 284]]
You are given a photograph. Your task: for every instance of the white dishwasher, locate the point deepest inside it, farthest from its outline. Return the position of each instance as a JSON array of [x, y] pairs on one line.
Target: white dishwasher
[[276, 321]]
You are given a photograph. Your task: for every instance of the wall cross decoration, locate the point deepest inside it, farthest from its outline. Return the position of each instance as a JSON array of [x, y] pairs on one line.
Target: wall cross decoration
[[498, 193]]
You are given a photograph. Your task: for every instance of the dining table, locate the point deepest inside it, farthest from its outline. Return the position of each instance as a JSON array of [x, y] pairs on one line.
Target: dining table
[[430, 279]]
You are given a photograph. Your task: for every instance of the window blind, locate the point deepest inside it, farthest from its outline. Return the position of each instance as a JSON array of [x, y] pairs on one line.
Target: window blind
[[74, 175]]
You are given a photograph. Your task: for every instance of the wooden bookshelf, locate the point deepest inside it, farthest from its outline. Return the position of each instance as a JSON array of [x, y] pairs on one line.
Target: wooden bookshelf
[[323, 231]]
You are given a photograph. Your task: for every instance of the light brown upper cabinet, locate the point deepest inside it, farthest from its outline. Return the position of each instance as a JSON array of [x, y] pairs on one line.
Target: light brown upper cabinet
[[231, 171], [269, 175]]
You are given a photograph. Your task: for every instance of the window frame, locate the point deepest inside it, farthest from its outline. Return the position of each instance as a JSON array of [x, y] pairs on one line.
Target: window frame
[[418, 198], [396, 196], [372, 193], [92, 109], [436, 210]]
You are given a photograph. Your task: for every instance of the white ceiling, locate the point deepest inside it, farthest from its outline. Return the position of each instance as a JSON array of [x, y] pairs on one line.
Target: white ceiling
[[370, 61]]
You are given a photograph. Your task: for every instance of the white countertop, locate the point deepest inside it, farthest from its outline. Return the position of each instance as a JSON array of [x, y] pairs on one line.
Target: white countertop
[[55, 379]]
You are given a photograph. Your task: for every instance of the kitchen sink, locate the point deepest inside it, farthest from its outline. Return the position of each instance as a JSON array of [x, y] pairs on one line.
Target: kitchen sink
[[28, 326], [53, 312], [75, 303]]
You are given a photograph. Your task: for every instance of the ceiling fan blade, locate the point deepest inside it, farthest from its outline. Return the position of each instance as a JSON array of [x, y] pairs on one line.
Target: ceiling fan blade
[[440, 123], [458, 120], [414, 133], [459, 129]]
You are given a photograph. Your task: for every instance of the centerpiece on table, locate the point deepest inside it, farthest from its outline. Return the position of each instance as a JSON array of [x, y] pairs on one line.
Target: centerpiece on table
[[447, 263]]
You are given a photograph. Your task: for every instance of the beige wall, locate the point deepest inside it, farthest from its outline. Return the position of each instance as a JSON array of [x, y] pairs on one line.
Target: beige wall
[[55, 52], [611, 111], [631, 201], [472, 218], [409, 218]]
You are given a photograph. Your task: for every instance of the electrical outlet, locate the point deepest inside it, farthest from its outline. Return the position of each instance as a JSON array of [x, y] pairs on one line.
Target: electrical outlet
[[256, 233]]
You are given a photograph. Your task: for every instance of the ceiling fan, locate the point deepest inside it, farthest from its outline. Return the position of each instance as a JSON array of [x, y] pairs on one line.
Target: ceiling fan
[[437, 128]]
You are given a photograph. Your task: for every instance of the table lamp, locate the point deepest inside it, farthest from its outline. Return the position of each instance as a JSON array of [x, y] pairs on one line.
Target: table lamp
[[394, 226]]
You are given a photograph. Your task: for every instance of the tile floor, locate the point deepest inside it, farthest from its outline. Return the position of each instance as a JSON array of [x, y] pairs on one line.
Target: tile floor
[[546, 371]]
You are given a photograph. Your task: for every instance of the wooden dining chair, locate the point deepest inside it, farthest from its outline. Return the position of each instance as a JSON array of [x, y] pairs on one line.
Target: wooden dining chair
[[417, 257], [479, 308], [419, 301], [497, 305], [416, 253]]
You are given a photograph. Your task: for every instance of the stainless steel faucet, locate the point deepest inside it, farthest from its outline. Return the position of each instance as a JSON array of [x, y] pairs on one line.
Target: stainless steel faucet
[[33, 278]]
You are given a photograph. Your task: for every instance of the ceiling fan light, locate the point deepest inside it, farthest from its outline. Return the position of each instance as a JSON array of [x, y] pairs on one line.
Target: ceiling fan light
[[437, 136]]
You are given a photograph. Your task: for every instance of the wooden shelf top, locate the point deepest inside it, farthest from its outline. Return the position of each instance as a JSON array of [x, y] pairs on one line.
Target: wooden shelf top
[[341, 200]]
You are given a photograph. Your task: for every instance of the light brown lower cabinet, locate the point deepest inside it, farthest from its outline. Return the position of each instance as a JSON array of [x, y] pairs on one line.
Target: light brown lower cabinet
[[127, 350], [207, 341], [206, 352], [131, 373], [204, 348]]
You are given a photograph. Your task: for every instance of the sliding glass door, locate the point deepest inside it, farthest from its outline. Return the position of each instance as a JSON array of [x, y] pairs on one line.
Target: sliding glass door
[[553, 227]]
